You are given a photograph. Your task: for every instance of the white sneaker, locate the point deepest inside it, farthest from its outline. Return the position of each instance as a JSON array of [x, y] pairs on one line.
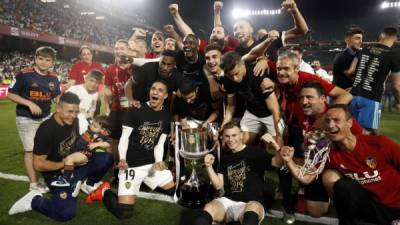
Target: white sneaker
[[42, 184], [88, 188], [24, 203], [38, 187], [76, 188]]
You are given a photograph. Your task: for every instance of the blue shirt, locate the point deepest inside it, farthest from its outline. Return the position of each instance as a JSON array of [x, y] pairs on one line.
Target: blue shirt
[[40, 89]]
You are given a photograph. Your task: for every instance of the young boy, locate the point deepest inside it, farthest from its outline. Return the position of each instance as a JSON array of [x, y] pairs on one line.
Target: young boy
[[88, 96], [33, 89], [94, 139]]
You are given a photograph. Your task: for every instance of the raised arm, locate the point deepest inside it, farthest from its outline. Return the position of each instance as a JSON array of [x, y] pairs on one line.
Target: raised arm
[[217, 180], [169, 30], [286, 153], [300, 26], [217, 12], [180, 23], [139, 33], [257, 51]]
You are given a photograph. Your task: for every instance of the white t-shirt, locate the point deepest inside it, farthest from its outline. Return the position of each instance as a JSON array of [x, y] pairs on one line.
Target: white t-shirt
[[88, 100], [324, 75], [87, 106], [305, 67]]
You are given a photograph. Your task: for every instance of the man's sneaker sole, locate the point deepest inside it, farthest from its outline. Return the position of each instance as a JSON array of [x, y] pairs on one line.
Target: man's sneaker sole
[[24, 203]]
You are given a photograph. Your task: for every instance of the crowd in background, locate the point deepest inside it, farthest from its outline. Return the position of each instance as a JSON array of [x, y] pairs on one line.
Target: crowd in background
[[34, 15], [11, 63]]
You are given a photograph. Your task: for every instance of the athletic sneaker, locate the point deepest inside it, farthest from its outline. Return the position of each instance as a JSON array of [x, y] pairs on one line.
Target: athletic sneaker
[[36, 186], [24, 203], [97, 195], [86, 188], [60, 182], [288, 218]]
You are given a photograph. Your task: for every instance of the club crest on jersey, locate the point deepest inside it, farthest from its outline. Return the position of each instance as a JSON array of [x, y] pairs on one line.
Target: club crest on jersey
[[63, 195], [51, 86], [128, 185], [371, 162]]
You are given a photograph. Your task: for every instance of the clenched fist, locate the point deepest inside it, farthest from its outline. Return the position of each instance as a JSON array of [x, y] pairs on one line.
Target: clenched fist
[[173, 9]]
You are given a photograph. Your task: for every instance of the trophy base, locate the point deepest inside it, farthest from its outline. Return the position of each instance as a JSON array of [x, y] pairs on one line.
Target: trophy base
[[193, 197]]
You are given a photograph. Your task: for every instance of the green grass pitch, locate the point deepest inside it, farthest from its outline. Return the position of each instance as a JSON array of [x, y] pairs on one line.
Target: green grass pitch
[[147, 212]]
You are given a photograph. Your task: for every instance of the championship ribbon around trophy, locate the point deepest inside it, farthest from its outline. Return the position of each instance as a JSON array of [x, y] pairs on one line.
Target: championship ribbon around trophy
[[316, 153]]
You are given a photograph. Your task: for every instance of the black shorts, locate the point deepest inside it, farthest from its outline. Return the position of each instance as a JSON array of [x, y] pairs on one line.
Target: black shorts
[[116, 118], [316, 191], [296, 140]]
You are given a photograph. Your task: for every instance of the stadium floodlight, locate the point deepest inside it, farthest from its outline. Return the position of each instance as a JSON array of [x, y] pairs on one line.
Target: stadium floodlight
[[386, 4], [47, 1], [100, 17], [240, 13], [66, 6]]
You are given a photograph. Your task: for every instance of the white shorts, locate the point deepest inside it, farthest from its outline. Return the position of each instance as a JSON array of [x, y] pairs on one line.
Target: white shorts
[[27, 128], [233, 209], [131, 179], [254, 124]]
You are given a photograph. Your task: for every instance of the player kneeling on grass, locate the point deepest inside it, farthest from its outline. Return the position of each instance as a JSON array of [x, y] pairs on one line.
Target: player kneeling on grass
[[141, 148], [241, 176], [362, 174], [54, 141]]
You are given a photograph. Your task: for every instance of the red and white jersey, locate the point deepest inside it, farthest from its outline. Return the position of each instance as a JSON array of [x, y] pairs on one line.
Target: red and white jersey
[[80, 69], [115, 79], [230, 45], [290, 94], [375, 164]]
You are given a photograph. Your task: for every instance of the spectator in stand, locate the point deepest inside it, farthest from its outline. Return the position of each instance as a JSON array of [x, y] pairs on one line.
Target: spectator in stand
[[50, 19], [321, 72], [83, 66], [304, 67]]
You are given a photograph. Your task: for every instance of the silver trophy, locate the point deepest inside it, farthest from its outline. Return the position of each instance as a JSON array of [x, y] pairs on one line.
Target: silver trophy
[[193, 144]]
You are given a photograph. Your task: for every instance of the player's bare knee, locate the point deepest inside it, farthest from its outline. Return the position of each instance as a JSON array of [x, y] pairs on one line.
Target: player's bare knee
[[214, 209], [255, 207], [317, 210], [329, 178]]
